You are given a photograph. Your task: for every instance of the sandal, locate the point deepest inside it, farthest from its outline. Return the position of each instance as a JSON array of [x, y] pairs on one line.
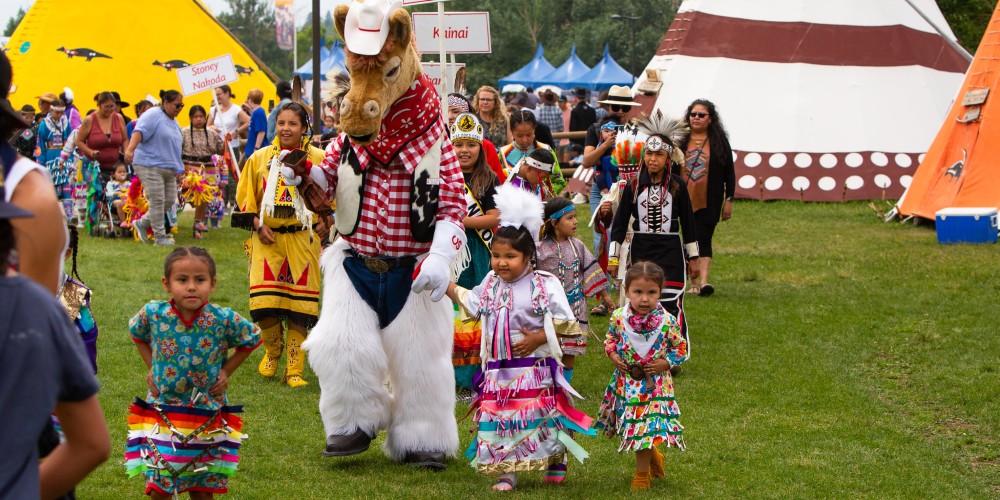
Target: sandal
[[707, 290], [599, 310], [506, 482], [694, 291]]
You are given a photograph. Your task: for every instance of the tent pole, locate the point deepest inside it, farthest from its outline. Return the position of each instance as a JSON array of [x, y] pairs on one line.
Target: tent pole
[[295, 41], [316, 105], [952, 43]]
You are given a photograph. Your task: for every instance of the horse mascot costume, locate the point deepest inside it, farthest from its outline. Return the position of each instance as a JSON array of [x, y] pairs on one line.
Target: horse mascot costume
[[400, 195]]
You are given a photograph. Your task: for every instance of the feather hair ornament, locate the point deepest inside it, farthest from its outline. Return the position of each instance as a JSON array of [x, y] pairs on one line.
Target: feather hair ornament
[[520, 208], [672, 129]]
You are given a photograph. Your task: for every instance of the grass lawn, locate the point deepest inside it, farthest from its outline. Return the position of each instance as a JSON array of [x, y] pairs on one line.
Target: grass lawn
[[840, 356]]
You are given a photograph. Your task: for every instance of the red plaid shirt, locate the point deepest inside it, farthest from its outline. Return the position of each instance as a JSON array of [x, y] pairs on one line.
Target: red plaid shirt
[[384, 225]]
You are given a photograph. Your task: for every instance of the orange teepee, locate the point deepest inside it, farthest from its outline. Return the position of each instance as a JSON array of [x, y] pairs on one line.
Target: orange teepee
[[962, 167]]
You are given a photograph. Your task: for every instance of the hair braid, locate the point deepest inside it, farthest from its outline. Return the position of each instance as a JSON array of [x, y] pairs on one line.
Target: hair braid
[[74, 247]]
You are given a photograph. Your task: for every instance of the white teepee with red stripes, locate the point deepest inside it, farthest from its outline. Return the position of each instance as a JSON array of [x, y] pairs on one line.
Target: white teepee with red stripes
[[823, 101]]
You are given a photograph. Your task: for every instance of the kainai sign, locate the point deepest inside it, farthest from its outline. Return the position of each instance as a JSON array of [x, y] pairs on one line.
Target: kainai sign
[[207, 75], [464, 32]]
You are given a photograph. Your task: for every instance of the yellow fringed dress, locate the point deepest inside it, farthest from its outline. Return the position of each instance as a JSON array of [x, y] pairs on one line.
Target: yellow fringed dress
[[284, 276]]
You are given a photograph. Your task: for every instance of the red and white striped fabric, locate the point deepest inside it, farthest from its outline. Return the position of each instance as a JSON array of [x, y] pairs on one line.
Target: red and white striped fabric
[[823, 101], [384, 225]]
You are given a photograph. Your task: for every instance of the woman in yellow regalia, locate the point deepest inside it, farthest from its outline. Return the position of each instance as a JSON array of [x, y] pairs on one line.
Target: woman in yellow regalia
[[283, 247]]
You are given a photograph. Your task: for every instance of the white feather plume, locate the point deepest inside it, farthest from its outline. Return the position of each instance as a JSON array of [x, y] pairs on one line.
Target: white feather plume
[[519, 208]]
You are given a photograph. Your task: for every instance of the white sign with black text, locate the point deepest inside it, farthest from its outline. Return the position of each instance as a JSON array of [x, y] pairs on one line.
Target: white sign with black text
[[464, 32], [207, 75]]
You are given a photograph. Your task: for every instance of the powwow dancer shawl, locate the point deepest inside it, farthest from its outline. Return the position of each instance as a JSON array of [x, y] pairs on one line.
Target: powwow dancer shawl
[[643, 412], [524, 406], [184, 439]]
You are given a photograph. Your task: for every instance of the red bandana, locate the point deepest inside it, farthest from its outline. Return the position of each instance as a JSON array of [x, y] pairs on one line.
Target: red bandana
[[408, 118]]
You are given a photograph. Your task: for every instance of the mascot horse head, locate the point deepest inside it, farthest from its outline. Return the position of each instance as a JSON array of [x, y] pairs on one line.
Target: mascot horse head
[[382, 62]]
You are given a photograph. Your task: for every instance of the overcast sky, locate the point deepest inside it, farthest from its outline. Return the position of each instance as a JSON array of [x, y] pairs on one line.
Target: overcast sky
[[9, 7]]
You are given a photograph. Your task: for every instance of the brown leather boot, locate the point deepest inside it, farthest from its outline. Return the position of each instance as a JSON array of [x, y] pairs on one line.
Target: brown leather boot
[[433, 460], [347, 444]]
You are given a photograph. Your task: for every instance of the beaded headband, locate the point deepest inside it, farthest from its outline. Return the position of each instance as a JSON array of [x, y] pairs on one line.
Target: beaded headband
[[559, 215], [457, 102]]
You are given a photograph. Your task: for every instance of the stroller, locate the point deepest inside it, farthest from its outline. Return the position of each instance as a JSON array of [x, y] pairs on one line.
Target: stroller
[[101, 217]]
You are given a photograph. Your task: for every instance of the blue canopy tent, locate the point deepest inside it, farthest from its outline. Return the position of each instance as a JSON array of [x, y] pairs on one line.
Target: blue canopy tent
[[603, 75], [329, 58], [568, 71], [532, 72]]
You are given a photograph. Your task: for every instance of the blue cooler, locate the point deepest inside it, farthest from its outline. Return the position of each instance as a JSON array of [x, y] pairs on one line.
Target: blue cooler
[[966, 225]]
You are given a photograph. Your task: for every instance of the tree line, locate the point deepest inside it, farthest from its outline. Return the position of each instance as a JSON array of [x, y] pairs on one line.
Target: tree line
[[518, 26]]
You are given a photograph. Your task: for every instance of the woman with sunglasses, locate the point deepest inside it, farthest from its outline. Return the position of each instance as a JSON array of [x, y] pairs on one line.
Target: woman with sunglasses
[[711, 180], [155, 153], [522, 125]]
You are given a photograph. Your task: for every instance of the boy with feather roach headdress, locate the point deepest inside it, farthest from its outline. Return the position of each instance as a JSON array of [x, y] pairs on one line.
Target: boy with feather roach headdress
[[662, 223]]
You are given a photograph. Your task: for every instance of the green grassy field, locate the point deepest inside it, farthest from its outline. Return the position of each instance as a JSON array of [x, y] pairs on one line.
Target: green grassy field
[[840, 356]]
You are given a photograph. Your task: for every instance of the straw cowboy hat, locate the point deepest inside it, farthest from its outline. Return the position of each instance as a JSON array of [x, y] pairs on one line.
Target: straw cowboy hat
[[621, 96], [366, 27]]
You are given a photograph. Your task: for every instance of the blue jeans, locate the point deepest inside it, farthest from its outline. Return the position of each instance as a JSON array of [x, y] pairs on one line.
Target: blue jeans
[[385, 293]]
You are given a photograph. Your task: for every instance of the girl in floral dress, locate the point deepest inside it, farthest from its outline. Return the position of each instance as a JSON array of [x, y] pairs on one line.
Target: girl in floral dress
[[184, 437], [643, 342]]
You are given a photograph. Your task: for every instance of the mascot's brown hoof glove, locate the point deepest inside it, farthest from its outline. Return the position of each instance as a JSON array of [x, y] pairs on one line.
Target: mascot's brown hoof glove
[[348, 444], [426, 459]]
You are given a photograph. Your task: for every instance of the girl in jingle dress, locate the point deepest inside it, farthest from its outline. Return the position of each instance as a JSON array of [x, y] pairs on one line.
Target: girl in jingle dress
[[523, 404]]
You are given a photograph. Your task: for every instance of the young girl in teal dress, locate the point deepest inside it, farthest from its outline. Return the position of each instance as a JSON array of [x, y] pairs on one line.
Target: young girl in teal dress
[[643, 342], [185, 437]]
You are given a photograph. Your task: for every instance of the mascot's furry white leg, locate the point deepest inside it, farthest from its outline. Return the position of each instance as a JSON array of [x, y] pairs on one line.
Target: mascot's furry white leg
[[346, 353], [419, 346]]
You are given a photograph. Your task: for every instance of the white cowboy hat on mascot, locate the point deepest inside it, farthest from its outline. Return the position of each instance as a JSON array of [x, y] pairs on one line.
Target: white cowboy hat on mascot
[[367, 26], [400, 205]]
